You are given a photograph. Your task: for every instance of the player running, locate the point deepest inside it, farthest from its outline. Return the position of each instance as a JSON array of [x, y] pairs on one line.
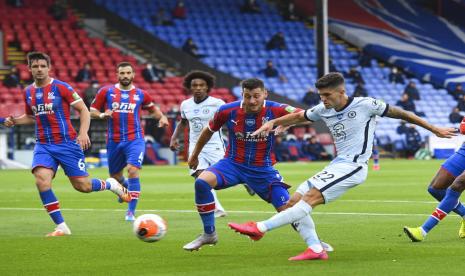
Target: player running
[[121, 105], [48, 104], [352, 124], [248, 160]]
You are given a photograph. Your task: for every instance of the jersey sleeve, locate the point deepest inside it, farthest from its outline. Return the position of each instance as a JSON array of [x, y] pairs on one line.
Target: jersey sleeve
[[27, 108], [376, 106], [148, 101], [285, 109], [220, 118], [99, 100], [182, 110], [69, 94], [313, 114]]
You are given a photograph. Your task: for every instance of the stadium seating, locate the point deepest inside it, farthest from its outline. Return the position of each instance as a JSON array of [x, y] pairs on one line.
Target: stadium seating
[[70, 47]]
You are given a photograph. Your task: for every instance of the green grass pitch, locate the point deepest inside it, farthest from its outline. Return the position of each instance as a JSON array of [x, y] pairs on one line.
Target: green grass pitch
[[364, 227]]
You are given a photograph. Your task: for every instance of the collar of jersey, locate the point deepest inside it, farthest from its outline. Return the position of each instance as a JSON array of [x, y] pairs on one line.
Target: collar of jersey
[[347, 104], [201, 100], [117, 87], [51, 81]]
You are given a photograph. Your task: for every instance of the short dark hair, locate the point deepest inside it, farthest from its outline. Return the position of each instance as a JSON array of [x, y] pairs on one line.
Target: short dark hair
[[252, 83], [124, 64], [37, 56], [207, 77], [330, 80]]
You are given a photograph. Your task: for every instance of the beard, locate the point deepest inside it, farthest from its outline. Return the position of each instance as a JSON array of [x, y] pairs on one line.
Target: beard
[[125, 81]]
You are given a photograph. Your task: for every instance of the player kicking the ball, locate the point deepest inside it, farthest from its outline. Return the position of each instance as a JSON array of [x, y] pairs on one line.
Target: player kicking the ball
[[352, 124]]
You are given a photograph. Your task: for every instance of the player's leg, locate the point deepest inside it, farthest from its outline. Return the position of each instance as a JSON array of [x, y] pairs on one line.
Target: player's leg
[[206, 159], [44, 166], [221, 175], [134, 151], [43, 177], [447, 204]]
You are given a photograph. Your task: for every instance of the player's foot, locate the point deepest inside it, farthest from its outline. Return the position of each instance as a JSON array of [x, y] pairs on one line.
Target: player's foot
[[61, 230], [414, 233], [326, 246], [462, 229], [220, 213], [130, 216], [119, 190], [309, 254], [249, 190], [249, 229], [203, 239]]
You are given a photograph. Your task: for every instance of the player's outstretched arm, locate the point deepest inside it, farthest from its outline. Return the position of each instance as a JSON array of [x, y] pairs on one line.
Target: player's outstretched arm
[[21, 120], [398, 113], [204, 137], [287, 120], [84, 117], [180, 126]]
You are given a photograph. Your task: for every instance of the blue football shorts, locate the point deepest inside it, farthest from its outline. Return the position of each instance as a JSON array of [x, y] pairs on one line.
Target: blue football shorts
[[68, 155], [260, 179], [455, 164], [123, 153]]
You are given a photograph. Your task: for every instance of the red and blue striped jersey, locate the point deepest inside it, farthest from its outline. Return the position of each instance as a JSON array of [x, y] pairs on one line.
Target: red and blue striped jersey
[[50, 105], [124, 125], [243, 148]]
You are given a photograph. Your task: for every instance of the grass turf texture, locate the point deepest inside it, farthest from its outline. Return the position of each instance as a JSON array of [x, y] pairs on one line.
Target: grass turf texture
[[364, 226]]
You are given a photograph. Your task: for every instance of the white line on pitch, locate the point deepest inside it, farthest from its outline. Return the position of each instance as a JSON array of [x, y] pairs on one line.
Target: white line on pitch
[[193, 211]]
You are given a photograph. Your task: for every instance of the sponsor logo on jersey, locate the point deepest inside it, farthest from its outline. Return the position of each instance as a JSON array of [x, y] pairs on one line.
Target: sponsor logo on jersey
[[339, 116], [42, 109], [196, 111], [126, 108], [114, 105], [247, 137]]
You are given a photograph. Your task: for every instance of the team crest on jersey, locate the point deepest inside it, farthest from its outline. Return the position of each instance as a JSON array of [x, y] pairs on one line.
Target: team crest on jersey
[[124, 96], [51, 96], [250, 122], [136, 97], [39, 95], [114, 105], [351, 114], [206, 111]]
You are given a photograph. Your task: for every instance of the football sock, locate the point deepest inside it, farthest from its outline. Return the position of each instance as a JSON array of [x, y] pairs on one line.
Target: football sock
[[52, 206], [99, 185], [306, 228], [293, 214], [123, 182], [447, 204], [218, 205], [134, 191], [205, 205], [439, 195]]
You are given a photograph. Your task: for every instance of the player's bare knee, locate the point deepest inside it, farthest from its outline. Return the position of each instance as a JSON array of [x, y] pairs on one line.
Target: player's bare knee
[[459, 184], [208, 177], [43, 179], [313, 197], [133, 172]]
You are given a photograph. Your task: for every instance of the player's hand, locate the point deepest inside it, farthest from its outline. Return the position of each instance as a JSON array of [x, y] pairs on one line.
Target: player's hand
[[83, 140], [174, 144], [264, 130], [445, 132], [163, 121], [9, 122], [107, 114], [193, 162], [281, 129]]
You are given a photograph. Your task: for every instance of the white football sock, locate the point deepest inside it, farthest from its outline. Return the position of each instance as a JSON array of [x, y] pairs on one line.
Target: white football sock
[[293, 214], [306, 228], [64, 228]]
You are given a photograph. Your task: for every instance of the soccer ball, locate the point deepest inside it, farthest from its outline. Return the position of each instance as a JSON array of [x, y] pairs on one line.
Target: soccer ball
[[150, 227]]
